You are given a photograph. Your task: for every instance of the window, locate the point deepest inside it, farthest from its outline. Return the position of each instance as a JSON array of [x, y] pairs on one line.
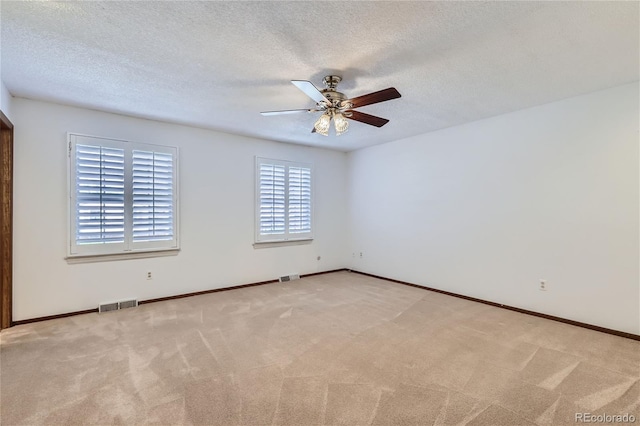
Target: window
[[283, 201], [123, 196]]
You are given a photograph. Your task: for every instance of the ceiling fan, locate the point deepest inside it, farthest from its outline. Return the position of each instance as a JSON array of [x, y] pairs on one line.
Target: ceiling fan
[[337, 107]]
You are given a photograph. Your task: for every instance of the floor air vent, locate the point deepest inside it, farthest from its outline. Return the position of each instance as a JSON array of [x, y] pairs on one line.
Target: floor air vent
[[286, 278], [106, 307]]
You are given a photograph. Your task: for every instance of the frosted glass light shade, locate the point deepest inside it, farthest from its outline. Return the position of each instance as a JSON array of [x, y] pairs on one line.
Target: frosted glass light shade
[[341, 123], [323, 123]]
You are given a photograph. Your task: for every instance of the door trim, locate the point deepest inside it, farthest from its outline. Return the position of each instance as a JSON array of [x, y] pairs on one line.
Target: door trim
[[6, 222]]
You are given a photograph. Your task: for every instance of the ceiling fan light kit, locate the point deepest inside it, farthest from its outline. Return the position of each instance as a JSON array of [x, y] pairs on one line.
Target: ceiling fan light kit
[[336, 106], [324, 123]]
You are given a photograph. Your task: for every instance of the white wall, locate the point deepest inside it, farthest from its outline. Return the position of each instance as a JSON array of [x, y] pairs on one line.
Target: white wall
[[6, 101], [484, 209], [489, 208], [216, 213]]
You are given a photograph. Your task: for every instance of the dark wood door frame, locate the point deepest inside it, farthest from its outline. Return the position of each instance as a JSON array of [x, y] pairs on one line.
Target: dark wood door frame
[[6, 222]]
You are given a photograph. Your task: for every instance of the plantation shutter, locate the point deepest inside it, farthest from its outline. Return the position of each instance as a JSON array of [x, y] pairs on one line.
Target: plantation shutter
[[152, 196], [122, 197], [272, 199], [99, 195], [283, 201], [299, 200]]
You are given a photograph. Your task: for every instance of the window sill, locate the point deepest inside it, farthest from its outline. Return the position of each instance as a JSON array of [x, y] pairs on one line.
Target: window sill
[[73, 259], [267, 244]]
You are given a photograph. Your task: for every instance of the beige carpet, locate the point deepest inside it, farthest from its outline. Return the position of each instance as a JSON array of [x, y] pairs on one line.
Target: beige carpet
[[339, 348]]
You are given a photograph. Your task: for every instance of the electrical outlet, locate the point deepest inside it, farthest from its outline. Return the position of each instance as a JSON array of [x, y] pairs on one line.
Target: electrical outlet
[[543, 285], [149, 276], [360, 255]]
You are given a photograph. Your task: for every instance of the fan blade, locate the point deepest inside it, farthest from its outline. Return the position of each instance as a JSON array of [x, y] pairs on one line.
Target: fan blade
[[366, 118], [310, 90], [373, 98], [288, 111]]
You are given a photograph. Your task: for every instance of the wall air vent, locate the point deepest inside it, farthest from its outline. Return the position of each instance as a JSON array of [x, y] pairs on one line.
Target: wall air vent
[[128, 304], [291, 277], [106, 307]]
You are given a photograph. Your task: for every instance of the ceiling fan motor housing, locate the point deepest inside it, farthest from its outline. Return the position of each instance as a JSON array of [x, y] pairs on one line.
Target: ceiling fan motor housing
[[333, 96], [336, 98]]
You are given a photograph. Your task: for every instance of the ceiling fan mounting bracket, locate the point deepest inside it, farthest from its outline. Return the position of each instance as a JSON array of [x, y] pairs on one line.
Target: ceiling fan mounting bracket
[[331, 81]]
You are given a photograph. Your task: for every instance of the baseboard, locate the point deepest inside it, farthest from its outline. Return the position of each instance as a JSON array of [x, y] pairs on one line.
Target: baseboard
[[511, 308], [235, 287], [448, 293], [200, 293], [50, 317], [324, 272], [161, 299]]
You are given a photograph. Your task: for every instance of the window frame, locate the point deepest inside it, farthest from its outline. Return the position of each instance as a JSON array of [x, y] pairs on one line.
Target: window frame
[[128, 247], [287, 236]]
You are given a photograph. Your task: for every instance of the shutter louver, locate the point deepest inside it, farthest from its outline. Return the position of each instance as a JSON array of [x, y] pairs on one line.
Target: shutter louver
[[153, 189], [99, 187], [299, 200], [272, 199]]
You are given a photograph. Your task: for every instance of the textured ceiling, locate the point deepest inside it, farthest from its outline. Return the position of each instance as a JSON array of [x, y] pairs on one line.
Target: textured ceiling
[[218, 64]]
